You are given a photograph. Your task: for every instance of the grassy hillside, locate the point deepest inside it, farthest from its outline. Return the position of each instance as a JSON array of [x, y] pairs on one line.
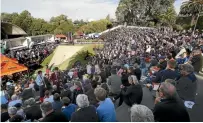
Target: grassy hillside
[[79, 56]]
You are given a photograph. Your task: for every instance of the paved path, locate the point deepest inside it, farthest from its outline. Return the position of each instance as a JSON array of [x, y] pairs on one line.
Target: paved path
[[62, 53]]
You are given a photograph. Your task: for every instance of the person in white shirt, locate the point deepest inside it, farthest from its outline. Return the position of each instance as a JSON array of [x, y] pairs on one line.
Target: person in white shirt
[[48, 97], [89, 67]]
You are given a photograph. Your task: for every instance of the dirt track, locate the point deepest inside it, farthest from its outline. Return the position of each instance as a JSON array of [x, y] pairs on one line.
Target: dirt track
[[63, 53]]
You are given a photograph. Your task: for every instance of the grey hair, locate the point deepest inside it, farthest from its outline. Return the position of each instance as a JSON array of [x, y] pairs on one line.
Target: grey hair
[[168, 90], [134, 79], [45, 107], [187, 68], [54, 87], [14, 97], [31, 101], [12, 110], [141, 113], [82, 101]]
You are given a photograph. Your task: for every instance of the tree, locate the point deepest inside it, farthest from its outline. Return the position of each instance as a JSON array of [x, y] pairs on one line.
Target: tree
[[141, 12], [108, 17], [193, 9], [95, 26]]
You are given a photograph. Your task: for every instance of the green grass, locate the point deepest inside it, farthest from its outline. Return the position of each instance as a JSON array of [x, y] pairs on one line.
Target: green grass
[[79, 56], [44, 63]]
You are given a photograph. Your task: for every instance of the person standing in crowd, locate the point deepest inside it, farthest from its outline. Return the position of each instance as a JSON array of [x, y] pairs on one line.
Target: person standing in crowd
[[57, 105], [162, 62], [114, 83], [66, 92], [106, 110], [85, 112], [56, 78], [90, 94], [4, 113], [197, 61], [89, 67], [168, 106], [68, 108], [187, 84], [78, 90], [141, 113], [47, 82], [27, 92], [49, 115], [40, 82]]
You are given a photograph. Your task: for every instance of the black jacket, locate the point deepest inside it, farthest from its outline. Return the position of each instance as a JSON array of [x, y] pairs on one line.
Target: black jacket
[[55, 117], [87, 114], [197, 62], [171, 111], [133, 94], [33, 113], [92, 97]]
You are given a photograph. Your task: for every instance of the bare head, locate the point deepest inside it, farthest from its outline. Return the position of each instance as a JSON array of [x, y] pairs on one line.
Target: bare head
[[82, 100], [46, 108], [167, 91], [141, 113], [100, 94]]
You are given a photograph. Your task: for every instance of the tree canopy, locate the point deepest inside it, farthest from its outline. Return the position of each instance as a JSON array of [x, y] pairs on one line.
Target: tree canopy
[[61, 24], [141, 12]]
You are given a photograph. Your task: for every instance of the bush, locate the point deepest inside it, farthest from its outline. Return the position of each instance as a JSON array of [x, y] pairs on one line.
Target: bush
[[177, 27]]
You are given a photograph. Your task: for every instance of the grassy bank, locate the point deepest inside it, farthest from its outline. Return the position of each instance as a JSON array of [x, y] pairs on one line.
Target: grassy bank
[[79, 56]]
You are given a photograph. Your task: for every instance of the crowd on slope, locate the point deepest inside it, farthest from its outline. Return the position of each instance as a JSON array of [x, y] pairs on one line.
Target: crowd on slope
[[110, 87], [32, 57]]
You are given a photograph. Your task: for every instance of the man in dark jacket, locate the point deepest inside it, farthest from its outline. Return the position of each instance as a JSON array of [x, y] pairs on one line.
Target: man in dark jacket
[[162, 62], [169, 73], [197, 61], [90, 94], [33, 111], [168, 106], [49, 115], [27, 93], [187, 84], [114, 83]]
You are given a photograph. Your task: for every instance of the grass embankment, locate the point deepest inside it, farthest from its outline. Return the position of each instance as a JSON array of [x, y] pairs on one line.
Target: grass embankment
[[79, 56], [44, 63], [89, 40]]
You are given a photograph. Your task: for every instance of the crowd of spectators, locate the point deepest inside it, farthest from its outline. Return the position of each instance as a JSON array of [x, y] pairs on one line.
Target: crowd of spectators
[[110, 87]]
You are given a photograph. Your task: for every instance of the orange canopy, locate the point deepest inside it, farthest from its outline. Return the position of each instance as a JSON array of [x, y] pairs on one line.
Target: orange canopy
[[11, 68], [5, 59], [61, 36]]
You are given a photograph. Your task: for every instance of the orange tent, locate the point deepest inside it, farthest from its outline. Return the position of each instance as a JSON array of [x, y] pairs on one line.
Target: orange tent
[[60, 36], [5, 59], [11, 68]]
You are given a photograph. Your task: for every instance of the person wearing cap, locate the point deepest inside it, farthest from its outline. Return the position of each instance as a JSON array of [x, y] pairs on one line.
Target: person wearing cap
[[187, 84]]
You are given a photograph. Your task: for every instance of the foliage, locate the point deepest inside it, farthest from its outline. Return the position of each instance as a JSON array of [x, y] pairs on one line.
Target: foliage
[[191, 8], [185, 22], [95, 26], [141, 12]]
